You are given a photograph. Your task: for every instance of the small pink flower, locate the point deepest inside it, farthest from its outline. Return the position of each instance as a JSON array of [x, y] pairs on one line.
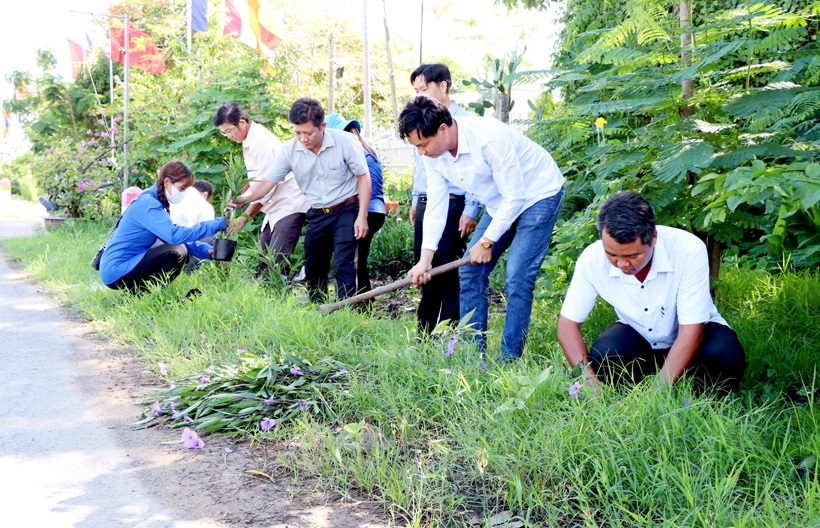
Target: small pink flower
[[104, 134], [163, 368], [204, 380], [228, 450], [100, 121], [81, 186], [133, 171]]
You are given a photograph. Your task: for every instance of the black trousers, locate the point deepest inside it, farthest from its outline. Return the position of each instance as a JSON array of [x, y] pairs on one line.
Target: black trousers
[[280, 240], [620, 354], [330, 236], [375, 221], [439, 297], [163, 262]]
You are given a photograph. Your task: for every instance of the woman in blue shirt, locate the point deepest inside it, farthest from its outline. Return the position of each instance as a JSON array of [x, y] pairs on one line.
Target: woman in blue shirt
[[146, 245], [376, 212]]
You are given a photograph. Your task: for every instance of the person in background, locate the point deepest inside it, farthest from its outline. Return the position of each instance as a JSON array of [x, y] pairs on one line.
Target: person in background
[[376, 212], [440, 297], [194, 208], [284, 205], [206, 190], [522, 189], [657, 280], [146, 246], [330, 169]]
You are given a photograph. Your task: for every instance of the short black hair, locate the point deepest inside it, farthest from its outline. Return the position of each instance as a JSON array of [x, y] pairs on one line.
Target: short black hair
[[627, 216], [231, 113], [306, 109], [425, 115], [204, 186], [433, 73]]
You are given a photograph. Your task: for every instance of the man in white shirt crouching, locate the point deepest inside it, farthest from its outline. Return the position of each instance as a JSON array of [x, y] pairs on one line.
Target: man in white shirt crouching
[[522, 189], [657, 279]]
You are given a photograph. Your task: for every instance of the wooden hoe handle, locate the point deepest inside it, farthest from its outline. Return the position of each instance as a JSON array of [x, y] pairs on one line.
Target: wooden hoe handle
[[393, 286]]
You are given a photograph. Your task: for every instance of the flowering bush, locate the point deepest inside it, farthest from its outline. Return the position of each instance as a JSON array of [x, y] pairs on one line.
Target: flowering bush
[[80, 176]]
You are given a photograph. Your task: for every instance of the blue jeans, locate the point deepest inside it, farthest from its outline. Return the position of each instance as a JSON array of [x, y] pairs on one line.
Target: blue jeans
[[528, 239]]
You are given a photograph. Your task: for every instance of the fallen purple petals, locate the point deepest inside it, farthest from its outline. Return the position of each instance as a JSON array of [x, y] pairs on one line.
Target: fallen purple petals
[[267, 423], [575, 391], [296, 371], [191, 440], [451, 347], [157, 408], [204, 380], [163, 368]]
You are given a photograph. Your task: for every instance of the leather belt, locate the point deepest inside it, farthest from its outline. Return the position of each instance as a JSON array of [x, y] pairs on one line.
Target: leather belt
[[423, 197], [338, 206]]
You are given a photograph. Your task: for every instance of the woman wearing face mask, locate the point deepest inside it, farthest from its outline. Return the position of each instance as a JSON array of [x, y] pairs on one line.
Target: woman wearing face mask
[[146, 245]]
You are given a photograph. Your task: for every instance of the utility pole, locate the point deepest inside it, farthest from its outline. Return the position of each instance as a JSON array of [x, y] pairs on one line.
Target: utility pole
[[392, 73], [331, 77], [367, 116]]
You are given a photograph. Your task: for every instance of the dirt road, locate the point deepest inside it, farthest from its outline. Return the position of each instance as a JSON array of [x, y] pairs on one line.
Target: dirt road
[[69, 458]]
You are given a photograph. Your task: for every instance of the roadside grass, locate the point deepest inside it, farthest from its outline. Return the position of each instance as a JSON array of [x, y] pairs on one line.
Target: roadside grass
[[448, 441]]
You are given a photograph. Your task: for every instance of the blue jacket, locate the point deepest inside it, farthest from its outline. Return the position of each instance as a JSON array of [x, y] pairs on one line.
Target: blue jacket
[[377, 195], [143, 223]]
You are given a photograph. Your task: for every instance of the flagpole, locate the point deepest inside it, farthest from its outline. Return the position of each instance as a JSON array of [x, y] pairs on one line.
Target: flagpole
[[366, 82], [127, 43], [188, 29], [111, 87]]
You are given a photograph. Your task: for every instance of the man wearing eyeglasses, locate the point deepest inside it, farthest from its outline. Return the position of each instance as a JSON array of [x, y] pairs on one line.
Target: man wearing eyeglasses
[[284, 206]]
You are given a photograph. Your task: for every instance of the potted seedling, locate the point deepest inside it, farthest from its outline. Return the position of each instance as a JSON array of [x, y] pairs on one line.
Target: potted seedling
[[235, 180]]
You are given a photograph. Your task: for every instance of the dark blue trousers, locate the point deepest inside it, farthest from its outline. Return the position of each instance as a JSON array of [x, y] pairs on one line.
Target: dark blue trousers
[[620, 354], [331, 236]]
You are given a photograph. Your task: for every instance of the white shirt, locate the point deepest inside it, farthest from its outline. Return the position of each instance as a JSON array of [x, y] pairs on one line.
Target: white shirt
[[676, 290], [260, 149], [500, 167], [326, 178], [193, 209]]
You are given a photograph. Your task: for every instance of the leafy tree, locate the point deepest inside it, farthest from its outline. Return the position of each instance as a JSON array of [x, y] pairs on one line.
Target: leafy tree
[[755, 98]]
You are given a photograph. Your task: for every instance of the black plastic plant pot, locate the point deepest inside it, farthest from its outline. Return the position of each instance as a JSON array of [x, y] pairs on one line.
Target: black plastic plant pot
[[224, 248]]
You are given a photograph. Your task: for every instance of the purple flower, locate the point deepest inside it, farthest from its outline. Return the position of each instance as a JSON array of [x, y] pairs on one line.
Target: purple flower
[[81, 185], [686, 402], [228, 450], [89, 130], [102, 180], [204, 380], [191, 440], [302, 406], [176, 415], [187, 419], [133, 171], [172, 406], [483, 365], [163, 368], [241, 351], [105, 134], [269, 401], [296, 371], [267, 423], [575, 391], [157, 408], [48, 149], [114, 130], [78, 156], [100, 121], [451, 347]]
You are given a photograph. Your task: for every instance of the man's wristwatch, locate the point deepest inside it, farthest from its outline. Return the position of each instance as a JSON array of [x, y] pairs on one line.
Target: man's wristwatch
[[486, 242]]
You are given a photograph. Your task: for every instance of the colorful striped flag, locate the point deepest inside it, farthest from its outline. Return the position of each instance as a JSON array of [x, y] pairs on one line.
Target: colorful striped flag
[[6, 124], [199, 15], [256, 24]]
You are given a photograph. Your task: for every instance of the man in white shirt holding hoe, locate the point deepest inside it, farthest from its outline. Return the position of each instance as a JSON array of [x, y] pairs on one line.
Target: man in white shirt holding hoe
[[522, 189]]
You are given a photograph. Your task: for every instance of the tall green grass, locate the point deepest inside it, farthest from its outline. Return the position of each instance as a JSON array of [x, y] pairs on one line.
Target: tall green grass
[[442, 441]]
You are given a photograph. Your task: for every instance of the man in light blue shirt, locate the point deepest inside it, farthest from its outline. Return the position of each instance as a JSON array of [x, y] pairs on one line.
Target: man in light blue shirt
[[519, 184], [440, 297]]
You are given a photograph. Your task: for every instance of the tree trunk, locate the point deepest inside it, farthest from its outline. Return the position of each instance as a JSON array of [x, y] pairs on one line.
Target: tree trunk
[[688, 85], [502, 106]]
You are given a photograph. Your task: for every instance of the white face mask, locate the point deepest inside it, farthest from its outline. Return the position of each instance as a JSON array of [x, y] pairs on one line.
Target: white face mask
[[176, 196]]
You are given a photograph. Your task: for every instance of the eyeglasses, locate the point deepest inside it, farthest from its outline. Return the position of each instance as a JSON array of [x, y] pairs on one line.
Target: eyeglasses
[[228, 131]]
